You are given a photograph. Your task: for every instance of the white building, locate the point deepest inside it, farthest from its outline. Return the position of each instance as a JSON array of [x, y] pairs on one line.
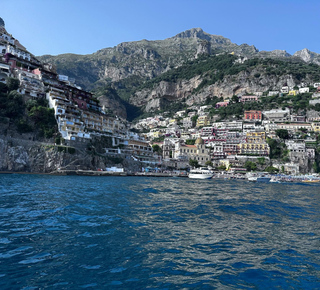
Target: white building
[[277, 115], [303, 90], [273, 93]]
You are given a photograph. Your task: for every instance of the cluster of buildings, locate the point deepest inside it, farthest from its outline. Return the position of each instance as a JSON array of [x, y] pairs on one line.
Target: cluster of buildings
[[189, 134], [195, 134], [79, 116]]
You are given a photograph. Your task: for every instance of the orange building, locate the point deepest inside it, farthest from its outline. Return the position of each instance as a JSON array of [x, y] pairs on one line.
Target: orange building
[[252, 115]]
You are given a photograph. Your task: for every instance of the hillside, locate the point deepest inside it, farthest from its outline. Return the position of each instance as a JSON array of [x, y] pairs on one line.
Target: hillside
[[223, 76], [130, 66]]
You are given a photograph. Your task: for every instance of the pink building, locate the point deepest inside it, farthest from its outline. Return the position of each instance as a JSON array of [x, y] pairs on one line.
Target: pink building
[[222, 104]]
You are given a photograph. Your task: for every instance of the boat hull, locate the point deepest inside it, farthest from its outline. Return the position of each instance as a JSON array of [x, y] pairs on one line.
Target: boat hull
[[263, 179], [200, 176]]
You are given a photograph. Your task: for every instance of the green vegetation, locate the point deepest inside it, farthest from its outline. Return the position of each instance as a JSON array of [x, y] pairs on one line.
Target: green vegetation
[[261, 161], [282, 133], [209, 163], [190, 141], [66, 149], [23, 126], [215, 67], [272, 169], [278, 150], [194, 163], [32, 116], [113, 94], [11, 102], [156, 148], [44, 120], [250, 166], [222, 167]]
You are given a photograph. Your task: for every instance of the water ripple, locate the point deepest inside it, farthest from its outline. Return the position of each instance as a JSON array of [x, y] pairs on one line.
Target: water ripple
[[65, 232]]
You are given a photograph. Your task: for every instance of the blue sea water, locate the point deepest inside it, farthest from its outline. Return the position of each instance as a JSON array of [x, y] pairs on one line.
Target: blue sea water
[[71, 232]]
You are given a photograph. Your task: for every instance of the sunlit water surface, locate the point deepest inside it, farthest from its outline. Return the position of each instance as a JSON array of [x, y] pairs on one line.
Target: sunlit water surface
[[70, 232]]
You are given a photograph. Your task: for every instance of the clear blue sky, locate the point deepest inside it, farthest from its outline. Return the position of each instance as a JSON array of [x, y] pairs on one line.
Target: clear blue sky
[[84, 26]]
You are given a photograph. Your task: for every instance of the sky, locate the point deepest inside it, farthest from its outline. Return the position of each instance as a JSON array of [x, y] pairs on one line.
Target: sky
[[84, 26]]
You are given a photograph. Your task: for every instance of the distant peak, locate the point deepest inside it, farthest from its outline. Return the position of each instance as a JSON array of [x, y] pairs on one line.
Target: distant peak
[[198, 33], [192, 33]]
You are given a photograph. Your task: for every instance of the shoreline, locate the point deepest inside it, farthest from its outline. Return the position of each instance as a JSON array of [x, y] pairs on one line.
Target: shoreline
[[280, 178]]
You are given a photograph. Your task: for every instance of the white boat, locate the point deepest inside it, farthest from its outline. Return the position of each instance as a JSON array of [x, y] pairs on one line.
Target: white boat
[[258, 177], [201, 173]]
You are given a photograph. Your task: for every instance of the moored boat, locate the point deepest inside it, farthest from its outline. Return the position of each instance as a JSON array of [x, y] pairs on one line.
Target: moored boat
[[258, 177], [311, 180], [201, 173]]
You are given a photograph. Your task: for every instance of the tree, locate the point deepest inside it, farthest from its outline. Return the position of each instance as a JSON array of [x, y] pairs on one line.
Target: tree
[[261, 161], [282, 133], [222, 167], [250, 166], [316, 167], [190, 141], [234, 99], [157, 148], [209, 163], [193, 163], [12, 84], [14, 106], [272, 169], [194, 119]]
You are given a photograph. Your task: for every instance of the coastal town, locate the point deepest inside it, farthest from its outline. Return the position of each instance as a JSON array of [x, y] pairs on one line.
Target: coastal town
[[280, 140], [231, 144]]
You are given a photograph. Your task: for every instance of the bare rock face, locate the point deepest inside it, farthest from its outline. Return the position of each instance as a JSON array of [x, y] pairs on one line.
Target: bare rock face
[[110, 104], [18, 155], [275, 54], [243, 83], [151, 99], [308, 56], [204, 47]]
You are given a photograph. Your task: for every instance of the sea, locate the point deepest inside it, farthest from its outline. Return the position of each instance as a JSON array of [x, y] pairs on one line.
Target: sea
[[103, 232]]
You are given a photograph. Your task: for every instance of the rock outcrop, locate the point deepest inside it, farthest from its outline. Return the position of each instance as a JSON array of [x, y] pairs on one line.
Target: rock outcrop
[[128, 65], [308, 56], [183, 90], [19, 155]]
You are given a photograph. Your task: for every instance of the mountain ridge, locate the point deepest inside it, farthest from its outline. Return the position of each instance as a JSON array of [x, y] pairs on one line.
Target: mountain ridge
[[128, 65]]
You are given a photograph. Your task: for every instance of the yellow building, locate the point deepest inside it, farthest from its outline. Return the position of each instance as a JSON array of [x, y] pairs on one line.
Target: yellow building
[[256, 144], [255, 149], [202, 121], [256, 137], [315, 127], [293, 93], [156, 134]]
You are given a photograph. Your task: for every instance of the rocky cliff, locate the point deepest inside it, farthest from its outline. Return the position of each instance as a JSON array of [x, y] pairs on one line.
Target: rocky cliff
[[308, 56], [20, 155], [183, 90], [130, 64], [222, 76]]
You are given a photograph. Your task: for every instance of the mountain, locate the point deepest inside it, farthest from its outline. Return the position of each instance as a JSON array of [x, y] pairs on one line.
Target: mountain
[[308, 56], [142, 59], [128, 66]]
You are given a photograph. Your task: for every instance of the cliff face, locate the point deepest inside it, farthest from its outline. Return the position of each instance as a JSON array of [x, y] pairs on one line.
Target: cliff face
[[146, 59], [308, 56], [183, 90], [18, 155], [128, 65]]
